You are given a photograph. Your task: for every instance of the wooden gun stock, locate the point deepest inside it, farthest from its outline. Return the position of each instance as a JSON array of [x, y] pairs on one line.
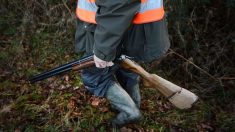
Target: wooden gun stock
[[178, 96]]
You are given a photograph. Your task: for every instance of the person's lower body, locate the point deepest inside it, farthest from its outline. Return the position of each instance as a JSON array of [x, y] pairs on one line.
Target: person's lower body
[[124, 97]]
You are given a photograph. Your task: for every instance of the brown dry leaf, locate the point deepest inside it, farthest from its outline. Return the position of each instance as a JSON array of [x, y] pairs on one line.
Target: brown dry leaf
[[104, 109], [5, 73], [95, 102], [206, 126], [52, 83], [62, 87], [140, 129], [17, 130], [124, 129], [66, 78], [75, 88], [161, 109], [76, 114], [67, 56], [71, 104], [167, 106], [151, 130], [6, 109]]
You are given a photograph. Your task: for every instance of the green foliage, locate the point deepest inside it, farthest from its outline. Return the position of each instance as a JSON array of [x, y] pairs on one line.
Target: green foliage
[[39, 35], [78, 81], [226, 122], [51, 129]]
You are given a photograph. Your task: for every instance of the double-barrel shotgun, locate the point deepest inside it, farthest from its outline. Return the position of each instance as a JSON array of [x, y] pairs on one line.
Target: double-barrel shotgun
[[178, 96]]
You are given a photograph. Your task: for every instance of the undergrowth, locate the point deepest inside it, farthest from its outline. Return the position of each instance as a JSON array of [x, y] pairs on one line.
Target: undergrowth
[[39, 35]]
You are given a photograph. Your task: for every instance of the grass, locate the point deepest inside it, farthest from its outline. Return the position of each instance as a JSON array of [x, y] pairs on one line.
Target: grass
[[61, 103]]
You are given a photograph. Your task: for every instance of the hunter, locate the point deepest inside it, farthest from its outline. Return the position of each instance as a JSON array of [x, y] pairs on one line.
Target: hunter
[[109, 28]]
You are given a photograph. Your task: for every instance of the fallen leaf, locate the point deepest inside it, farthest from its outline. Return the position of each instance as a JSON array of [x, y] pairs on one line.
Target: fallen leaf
[[6, 109], [17, 130], [71, 104], [62, 87], [66, 78], [124, 129], [206, 126], [95, 102], [104, 109], [75, 88], [77, 113]]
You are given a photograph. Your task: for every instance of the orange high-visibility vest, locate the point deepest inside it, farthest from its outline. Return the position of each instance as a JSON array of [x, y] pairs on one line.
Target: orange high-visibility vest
[[150, 11]]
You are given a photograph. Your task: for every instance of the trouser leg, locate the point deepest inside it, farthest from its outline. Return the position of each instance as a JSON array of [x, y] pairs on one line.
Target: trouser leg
[[121, 101], [98, 80]]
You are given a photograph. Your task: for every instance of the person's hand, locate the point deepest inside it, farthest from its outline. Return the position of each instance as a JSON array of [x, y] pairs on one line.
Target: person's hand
[[101, 63]]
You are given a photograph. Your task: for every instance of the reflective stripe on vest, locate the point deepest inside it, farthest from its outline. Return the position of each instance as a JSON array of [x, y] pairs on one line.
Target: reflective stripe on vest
[[150, 11]]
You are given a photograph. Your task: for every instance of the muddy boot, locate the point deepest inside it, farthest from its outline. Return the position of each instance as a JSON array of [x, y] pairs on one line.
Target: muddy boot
[[130, 82], [123, 103], [134, 92]]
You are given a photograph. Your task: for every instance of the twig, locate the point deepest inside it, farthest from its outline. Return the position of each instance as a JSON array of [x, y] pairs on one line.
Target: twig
[[199, 68], [23, 27], [226, 78], [179, 33], [66, 6]]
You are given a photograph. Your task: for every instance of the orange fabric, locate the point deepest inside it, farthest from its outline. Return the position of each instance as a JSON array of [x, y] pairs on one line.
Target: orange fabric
[[145, 17], [142, 1], [91, 1], [87, 16], [149, 16]]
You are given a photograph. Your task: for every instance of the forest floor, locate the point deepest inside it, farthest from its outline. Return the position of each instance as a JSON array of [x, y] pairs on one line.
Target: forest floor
[[61, 103]]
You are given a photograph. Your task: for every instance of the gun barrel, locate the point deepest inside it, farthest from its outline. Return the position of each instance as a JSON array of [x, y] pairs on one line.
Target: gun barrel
[[60, 69], [48, 74]]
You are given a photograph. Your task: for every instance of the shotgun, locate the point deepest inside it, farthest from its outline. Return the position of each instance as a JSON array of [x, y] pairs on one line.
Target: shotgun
[[178, 96]]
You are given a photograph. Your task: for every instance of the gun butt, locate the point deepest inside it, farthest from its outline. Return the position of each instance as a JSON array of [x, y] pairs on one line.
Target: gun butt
[[178, 96], [183, 99]]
